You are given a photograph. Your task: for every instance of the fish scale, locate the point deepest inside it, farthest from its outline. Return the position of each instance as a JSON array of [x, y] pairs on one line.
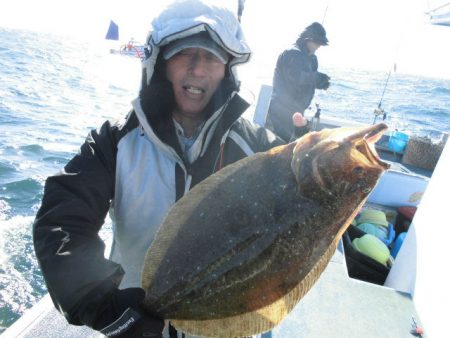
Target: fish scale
[[285, 212]]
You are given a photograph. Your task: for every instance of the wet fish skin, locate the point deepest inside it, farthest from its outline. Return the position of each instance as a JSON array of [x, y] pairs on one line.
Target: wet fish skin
[[246, 236], [346, 158]]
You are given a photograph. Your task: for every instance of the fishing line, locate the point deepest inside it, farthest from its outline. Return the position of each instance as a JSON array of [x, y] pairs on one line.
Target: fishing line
[[394, 68], [380, 111], [325, 12], [406, 25]]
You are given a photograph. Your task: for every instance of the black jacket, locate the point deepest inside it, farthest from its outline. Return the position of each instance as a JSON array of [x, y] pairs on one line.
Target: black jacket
[[294, 84], [76, 201]]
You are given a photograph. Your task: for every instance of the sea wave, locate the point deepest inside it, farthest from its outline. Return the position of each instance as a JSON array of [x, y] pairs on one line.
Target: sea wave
[[441, 90], [6, 168], [24, 194], [20, 278], [32, 149]]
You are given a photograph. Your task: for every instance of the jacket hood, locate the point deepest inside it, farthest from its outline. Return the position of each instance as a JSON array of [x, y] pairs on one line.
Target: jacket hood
[[315, 32], [188, 17]]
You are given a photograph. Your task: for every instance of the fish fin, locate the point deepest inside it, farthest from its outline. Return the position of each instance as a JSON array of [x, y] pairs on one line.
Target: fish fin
[[261, 320]]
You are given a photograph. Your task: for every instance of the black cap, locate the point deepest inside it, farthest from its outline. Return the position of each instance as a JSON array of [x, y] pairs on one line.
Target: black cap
[[315, 32], [201, 40]]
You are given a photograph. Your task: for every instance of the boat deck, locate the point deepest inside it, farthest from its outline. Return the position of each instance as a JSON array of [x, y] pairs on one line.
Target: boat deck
[[337, 306]]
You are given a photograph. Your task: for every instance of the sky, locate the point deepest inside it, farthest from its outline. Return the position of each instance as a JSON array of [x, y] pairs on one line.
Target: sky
[[363, 34]]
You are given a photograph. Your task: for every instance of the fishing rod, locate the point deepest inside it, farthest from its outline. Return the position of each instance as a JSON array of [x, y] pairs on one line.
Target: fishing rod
[[380, 111]]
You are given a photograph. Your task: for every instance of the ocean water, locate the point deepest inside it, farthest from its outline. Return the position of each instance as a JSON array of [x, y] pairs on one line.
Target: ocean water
[[54, 90]]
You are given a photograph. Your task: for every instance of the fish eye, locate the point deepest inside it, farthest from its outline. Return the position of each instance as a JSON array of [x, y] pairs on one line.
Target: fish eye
[[366, 190], [358, 170]]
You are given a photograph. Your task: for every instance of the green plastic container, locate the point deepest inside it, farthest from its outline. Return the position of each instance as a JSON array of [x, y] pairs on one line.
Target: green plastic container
[[372, 247]]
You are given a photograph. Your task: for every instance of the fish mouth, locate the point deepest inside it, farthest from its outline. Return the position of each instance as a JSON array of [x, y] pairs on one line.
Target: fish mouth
[[365, 140], [371, 134], [319, 155]]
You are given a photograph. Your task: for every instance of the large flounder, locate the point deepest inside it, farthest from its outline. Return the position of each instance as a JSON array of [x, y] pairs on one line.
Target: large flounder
[[236, 254]]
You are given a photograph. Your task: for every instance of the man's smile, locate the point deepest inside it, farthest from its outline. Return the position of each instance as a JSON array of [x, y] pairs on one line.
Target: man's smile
[[195, 75], [194, 90]]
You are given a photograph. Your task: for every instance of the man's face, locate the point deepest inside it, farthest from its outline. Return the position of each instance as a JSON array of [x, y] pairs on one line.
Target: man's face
[[312, 46], [195, 75]]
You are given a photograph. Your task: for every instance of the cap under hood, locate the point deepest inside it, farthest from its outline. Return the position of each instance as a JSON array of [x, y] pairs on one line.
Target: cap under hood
[[188, 17], [315, 32]]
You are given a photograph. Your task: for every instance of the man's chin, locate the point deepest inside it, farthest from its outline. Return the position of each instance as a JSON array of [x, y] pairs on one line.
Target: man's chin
[[192, 112]]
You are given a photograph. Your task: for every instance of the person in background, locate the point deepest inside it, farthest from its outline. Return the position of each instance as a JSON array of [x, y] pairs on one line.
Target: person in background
[[295, 80], [185, 125]]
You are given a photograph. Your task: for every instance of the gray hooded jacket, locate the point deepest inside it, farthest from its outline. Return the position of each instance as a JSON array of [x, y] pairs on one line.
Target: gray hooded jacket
[[136, 174]]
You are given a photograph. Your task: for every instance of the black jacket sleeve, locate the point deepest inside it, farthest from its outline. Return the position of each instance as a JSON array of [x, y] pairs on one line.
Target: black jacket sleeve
[[65, 232], [297, 68], [259, 138]]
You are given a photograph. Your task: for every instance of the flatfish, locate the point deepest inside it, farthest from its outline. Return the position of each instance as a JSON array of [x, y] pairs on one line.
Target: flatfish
[[239, 251]]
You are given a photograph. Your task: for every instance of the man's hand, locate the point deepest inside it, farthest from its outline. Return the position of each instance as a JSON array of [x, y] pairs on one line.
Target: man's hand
[[301, 126], [121, 316], [322, 81], [299, 120]]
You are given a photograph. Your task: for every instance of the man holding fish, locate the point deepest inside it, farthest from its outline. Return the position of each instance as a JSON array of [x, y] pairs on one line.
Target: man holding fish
[[185, 125]]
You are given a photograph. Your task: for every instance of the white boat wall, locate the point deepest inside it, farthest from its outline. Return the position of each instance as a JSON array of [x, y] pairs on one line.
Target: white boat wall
[[337, 305], [421, 268]]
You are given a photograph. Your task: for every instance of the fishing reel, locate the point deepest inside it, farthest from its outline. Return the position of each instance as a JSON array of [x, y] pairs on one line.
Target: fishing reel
[[379, 112]]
